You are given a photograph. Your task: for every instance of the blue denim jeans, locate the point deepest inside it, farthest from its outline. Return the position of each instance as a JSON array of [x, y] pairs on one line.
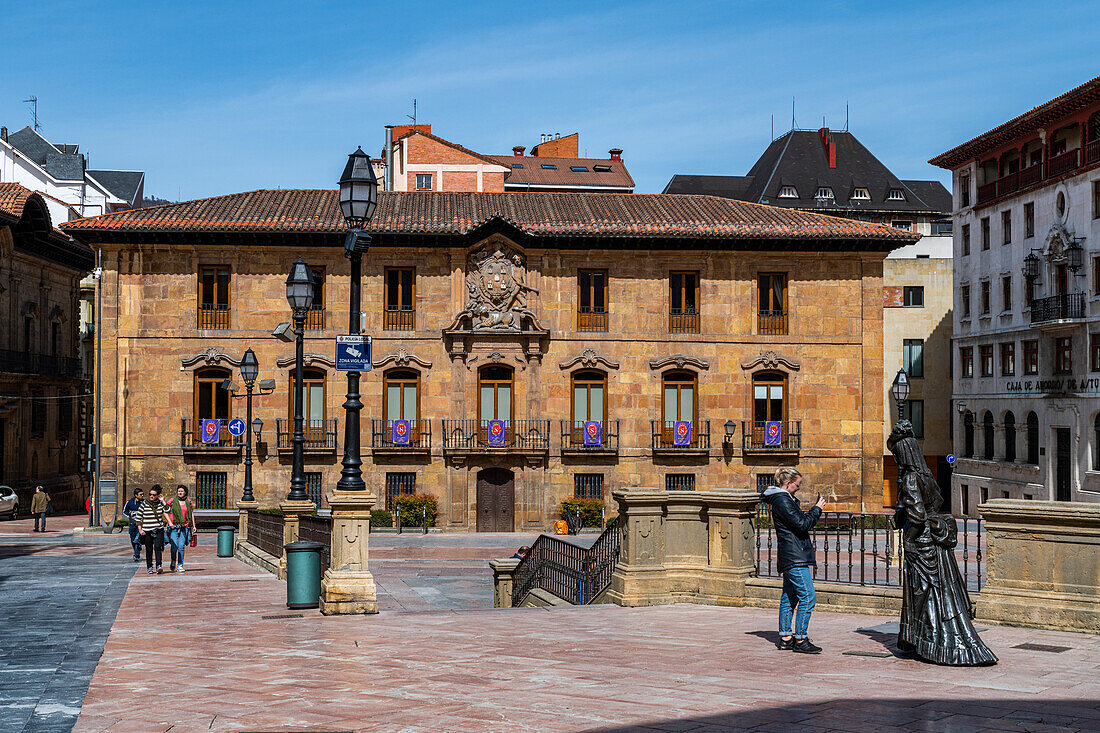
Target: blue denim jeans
[[135, 539], [178, 537], [798, 591]]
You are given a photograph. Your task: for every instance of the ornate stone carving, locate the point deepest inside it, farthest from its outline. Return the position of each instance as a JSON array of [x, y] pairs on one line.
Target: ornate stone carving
[[210, 357], [496, 292], [772, 360], [56, 314], [588, 358], [402, 357], [496, 358], [680, 361], [307, 360]]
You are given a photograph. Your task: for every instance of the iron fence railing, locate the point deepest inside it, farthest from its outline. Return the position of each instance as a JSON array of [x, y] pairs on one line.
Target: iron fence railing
[[317, 529], [573, 436], [865, 549], [665, 435], [530, 435], [192, 435], [570, 572], [782, 435], [315, 318], [22, 362], [420, 435], [319, 434], [265, 531], [1058, 308]]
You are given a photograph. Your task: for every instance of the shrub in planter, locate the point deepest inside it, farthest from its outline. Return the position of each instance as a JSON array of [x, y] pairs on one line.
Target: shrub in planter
[[591, 510], [411, 506], [381, 518]]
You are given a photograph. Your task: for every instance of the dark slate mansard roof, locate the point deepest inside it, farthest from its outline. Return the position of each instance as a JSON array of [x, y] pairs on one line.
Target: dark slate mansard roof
[[127, 185], [65, 162], [798, 159]]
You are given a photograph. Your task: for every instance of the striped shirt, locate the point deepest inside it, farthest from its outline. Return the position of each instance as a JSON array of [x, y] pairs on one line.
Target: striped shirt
[[149, 516]]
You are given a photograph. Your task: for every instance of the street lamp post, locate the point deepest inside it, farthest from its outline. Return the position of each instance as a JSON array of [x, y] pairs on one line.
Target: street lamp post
[[250, 369], [900, 390], [299, 294], [358, 200]]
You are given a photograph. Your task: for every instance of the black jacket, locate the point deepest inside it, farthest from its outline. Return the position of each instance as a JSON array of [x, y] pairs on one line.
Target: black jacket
[[792, 529]]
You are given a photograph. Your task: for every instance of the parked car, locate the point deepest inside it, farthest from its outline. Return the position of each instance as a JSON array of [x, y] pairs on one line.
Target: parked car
[[9, 502]]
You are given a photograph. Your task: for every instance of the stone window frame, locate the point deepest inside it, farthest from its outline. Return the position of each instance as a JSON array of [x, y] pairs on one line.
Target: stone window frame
[[398, 376]]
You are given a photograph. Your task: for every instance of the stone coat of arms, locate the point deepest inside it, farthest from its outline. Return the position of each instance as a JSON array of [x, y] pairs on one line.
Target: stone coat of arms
[[496, 294]]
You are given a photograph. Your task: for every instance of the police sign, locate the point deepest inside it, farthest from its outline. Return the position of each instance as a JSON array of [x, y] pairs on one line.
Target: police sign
[[353, 353]]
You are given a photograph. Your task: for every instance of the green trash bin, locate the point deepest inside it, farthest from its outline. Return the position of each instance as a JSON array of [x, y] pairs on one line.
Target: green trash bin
[[303, 574], [225, 540]]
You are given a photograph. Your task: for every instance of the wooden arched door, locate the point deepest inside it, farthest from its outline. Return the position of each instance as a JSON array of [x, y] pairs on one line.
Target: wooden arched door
[[496, 500]]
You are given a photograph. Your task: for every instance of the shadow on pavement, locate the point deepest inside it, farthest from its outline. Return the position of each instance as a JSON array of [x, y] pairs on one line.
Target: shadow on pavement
[[908, 713]]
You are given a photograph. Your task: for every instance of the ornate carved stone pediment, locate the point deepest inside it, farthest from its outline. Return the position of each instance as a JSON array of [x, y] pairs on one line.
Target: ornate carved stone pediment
[[772, 360], [307, 360], [496, 291], [588, 358], [401, 357], [210, 357], [679, 361], [494, 358]]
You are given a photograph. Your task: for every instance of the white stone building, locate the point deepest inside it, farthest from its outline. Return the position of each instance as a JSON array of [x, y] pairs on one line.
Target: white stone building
[[1026, 383]]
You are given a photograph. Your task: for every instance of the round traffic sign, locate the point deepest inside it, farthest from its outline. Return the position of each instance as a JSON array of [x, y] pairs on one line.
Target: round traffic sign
[[236, 427], [950, 457]]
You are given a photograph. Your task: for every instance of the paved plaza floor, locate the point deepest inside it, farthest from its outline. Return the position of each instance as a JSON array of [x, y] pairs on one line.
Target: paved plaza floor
[[216, 649]]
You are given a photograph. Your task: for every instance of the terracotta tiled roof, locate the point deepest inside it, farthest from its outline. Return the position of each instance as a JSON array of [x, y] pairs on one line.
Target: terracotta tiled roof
[[534, 174], [1030, 121], [537, 214], [12, 199]]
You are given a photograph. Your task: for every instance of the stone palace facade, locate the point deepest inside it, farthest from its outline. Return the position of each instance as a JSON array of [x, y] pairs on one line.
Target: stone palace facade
[[664, 320]]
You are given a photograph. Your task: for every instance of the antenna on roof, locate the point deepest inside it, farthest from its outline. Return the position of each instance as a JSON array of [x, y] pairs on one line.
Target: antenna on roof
[[793, 125], [823, 121], [773, 127], [845, 115], [413, 115], [33, 102]]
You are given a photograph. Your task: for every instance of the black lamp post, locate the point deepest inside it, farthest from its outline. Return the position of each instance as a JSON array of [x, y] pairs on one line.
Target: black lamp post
[[358, 200], [299, 293], [900, 390], [250, 369], [1031, 266]]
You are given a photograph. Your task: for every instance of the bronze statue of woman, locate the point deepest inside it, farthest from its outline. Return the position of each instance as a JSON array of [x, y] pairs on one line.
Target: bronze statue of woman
[[936, 613]]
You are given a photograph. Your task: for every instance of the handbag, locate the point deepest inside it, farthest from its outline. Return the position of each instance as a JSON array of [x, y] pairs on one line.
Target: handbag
[[194, 534]]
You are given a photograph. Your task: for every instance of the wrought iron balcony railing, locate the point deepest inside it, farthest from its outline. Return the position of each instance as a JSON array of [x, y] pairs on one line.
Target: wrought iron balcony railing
[[315, 318], [591, 319], [777, 435], [1058, 308], [523, 435], [214, 315], [573, 437], [771, 323], [21, 362], [667, 435], [683, 320], [319, 434], [193, 436], [399, 318], [383, 434]]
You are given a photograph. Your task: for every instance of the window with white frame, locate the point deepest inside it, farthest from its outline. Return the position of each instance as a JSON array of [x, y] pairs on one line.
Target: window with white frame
[[896, 194], [788, 192], [423, 181], [862, 194], [824, 192]]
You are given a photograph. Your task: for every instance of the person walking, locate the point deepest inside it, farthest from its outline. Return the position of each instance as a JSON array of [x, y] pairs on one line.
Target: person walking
[[149, 517], [796, 558], [181, 523], [40, 504], [128, 512]]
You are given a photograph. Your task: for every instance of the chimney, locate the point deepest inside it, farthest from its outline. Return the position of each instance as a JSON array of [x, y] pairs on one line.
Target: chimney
[[616, 153], [4, 134], [387, 184], [830, 146], [557, 136], [518, 151]]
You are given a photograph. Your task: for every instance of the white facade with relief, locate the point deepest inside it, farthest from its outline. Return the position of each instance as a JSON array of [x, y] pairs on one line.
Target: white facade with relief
[[1026, 378]]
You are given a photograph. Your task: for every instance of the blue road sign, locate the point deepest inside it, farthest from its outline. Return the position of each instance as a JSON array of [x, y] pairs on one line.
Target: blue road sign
[[353, 353], [950, 457], [236, 427]]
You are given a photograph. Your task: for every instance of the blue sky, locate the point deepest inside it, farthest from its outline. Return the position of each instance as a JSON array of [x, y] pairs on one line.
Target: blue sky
[[216, 97]]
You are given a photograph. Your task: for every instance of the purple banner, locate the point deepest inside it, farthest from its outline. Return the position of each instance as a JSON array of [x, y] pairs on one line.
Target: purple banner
[[495, 432], [211, 432], [400, 432], [681, 433], [773, 434], [593, 432]]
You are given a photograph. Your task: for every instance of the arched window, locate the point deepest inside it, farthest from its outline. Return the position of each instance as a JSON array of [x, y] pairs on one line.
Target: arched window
[[769, 396], [589, 396], [402, 395], [968, 434], [494, 393], [1033, 438], [679, 397], [987, 435], [1010, 437], [211, 401], [1096, 443], [313, 404]]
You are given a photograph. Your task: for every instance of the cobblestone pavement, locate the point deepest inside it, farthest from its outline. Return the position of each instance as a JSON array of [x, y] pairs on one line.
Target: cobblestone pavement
[[243, 662], [60, 595]]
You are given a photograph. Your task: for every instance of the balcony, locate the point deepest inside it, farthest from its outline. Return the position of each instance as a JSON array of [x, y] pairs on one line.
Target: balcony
[[1055, 166], [683, 320], [591, 319], [771, 437], [315, 318], [320, 435], [214, 316], [191, 437], [1058, 310], [1063, 163], [771, 323], [667, 441], [519, 436], [21, 362], [399, 318], [605, 444], [419, 438]]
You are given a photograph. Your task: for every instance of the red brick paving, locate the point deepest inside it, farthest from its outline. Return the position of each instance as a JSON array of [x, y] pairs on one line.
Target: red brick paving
[[220, 666]]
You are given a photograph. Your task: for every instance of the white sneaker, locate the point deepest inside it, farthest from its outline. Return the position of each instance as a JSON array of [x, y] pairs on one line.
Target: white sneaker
[[179, 569]]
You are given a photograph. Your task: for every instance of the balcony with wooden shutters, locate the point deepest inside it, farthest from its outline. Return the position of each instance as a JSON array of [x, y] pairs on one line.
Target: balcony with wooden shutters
[[419, 439]]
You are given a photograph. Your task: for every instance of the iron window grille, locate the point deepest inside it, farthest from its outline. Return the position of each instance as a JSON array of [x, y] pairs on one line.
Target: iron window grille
[[210, 490], [680, 482], [313, 487], [401, 483], [588, 486]]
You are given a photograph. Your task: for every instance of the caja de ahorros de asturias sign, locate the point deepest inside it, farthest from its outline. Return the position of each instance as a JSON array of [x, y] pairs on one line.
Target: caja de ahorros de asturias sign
[[1063, 385]]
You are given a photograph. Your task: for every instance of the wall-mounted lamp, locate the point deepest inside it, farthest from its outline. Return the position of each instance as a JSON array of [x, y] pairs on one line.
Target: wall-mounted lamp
[[731, 428]]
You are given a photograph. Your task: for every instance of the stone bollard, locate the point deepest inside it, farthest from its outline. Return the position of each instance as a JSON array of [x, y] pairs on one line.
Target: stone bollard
[[504, 575], [243, 508], [348, 586]]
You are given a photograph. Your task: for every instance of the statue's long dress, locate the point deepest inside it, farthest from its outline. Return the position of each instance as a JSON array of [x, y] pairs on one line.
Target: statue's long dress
[[935, 612]]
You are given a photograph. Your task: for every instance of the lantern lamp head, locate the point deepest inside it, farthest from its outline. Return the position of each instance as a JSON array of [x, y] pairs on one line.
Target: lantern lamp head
[[299, 287], [900, 387], [250, 367], [358, 190]]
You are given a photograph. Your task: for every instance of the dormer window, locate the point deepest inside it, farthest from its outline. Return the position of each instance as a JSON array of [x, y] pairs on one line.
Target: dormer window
[[896, 195], [862, 194], [824, 192], [787, 192]]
